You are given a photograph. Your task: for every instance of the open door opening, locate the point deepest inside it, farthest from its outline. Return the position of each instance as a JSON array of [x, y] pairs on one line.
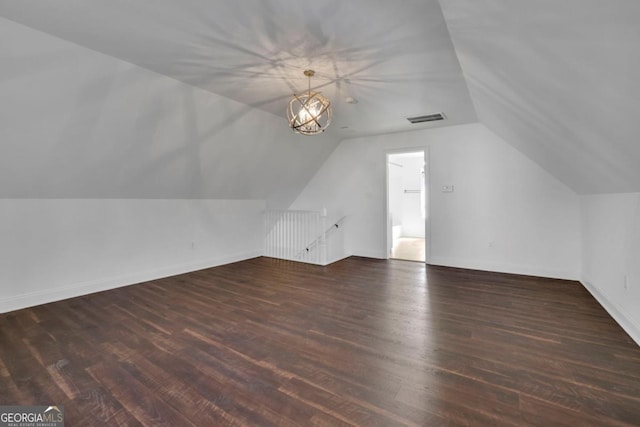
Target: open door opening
[[406, 198]]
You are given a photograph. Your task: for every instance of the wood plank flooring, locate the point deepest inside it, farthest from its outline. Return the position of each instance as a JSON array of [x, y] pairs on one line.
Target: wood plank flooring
[[362, 342]]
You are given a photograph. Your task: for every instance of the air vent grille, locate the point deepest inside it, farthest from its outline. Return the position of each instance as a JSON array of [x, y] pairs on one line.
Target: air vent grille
[[426, 118]]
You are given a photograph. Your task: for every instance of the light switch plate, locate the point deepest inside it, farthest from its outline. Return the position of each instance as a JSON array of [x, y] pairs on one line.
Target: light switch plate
[[447, 188]]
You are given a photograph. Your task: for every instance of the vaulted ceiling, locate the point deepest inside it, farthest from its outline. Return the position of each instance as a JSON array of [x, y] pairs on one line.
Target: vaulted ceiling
[[558, 80], [395, 61]]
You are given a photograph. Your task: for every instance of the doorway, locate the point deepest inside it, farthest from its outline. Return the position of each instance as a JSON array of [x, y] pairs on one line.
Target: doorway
[[407, 203]]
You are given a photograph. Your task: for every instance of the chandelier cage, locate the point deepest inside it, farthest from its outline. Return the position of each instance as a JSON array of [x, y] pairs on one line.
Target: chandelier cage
[[309, 113]]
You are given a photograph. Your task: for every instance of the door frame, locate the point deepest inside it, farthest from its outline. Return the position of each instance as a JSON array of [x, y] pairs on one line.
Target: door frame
[[427, 199]]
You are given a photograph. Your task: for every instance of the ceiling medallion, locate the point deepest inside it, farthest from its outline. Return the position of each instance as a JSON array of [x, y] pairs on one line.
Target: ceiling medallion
[[309, 113]]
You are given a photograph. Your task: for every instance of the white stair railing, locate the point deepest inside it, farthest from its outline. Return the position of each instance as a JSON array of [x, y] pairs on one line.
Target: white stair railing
[[323, 240], [289, 235]]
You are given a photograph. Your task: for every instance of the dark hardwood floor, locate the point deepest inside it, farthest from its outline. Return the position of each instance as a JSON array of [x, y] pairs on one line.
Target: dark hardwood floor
[[362, 342]]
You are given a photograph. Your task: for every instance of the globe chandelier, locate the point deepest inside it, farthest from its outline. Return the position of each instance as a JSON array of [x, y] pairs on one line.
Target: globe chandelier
[[309, 113]]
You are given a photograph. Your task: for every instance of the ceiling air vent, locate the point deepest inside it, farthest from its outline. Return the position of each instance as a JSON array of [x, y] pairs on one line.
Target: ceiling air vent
[[426, 118]]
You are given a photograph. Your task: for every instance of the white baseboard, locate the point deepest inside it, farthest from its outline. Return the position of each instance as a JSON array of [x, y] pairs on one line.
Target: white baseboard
[[504, 268], [336, 259], [368, 253], [623, 319], [50, 295]]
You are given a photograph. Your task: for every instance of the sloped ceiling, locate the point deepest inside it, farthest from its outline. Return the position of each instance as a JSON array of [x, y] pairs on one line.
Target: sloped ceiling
[[559, 80], [395, 59], [75, 123]]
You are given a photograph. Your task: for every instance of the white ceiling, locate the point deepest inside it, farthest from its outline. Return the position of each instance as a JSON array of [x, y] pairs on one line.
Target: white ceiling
[[556, 79], [559, 80], [396, 59]]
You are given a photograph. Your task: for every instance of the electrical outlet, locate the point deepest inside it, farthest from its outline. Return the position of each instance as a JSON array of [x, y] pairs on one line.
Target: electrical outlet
[[626, 283], [447, 188]]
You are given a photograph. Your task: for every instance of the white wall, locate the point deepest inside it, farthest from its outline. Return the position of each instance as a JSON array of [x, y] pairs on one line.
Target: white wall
[[412, 221], [395, 190], [501, 198], [611, 255], [108, 171], [55, 249]]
